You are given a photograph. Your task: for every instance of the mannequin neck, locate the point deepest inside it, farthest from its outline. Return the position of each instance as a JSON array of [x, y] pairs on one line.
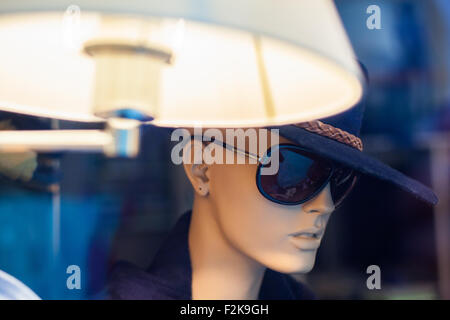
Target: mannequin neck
[[219, 270]]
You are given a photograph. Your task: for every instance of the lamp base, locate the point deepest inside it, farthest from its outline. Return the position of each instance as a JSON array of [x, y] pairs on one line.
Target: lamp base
[[127, 80]]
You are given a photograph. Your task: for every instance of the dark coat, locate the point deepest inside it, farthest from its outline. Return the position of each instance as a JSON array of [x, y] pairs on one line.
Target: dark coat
[[170, 277]]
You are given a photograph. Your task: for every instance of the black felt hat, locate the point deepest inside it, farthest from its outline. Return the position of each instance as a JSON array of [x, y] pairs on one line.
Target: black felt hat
[[337, 138]]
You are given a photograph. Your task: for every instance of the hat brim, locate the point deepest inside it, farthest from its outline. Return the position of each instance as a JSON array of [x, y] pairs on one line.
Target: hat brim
[[357, 160]]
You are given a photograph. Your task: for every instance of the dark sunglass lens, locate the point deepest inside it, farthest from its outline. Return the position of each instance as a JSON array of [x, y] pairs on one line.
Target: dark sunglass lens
[[300, 176], [341, 184]]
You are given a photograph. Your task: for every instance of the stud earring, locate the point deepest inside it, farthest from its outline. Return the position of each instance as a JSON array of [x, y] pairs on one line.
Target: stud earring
[[202, 191]]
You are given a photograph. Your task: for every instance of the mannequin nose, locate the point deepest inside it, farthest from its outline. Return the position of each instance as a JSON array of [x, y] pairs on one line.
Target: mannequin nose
[[321, 204]]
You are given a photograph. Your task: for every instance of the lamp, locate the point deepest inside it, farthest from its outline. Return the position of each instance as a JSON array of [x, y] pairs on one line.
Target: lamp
[[211, 63]]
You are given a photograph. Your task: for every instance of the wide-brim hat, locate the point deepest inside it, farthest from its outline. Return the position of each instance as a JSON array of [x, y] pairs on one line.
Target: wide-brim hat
[[338, 138]]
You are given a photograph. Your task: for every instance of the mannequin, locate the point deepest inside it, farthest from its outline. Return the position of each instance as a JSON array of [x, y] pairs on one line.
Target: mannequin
[[247, 232], [235, 233]]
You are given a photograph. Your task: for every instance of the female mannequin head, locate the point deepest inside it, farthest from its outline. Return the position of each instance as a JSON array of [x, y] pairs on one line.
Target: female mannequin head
[[284, 238]]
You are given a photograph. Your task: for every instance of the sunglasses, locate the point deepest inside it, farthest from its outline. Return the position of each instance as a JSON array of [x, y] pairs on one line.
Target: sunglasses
[[301, 175]]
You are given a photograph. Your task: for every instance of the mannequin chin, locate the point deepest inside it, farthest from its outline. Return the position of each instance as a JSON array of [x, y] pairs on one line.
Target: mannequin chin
[[246, 231]]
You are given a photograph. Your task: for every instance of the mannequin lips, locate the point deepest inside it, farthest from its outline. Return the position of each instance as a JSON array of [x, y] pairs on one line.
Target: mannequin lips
[[308, 239]]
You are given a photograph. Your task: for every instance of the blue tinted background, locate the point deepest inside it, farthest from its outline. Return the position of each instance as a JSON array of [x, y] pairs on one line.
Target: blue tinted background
[[113, 209]]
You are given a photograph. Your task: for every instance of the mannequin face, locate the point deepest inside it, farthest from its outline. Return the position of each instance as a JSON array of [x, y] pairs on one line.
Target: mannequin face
[[258, 228]]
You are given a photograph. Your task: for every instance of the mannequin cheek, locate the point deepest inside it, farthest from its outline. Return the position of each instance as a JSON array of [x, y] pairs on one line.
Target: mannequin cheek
[[252, 224], [241, 209], [232, 189], [260, 236]]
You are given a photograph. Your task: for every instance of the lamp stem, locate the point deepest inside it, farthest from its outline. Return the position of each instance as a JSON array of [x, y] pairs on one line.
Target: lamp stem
[[120, 138], [54, 140]]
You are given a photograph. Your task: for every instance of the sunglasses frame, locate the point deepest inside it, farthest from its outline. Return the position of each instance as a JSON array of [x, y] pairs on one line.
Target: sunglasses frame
[[314, 194], [262, 161]]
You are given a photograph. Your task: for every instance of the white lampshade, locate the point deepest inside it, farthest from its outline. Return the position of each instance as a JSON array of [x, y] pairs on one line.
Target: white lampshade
[[215, 63]]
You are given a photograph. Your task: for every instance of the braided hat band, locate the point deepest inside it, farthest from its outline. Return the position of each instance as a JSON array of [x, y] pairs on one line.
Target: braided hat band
[[331, 132]]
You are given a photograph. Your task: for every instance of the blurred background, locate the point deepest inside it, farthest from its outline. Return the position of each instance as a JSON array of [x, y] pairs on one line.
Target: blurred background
[[91, 211]]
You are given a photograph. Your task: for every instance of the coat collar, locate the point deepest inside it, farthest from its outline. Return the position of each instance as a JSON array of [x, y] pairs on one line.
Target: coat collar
[[170, 275]]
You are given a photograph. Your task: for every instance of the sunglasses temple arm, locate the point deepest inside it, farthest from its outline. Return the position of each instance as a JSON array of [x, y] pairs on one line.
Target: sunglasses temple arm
[[238, 151], [234, 149]]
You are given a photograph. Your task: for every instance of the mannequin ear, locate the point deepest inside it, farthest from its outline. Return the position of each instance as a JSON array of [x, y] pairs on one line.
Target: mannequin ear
[[197, 173], [198, 176]]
